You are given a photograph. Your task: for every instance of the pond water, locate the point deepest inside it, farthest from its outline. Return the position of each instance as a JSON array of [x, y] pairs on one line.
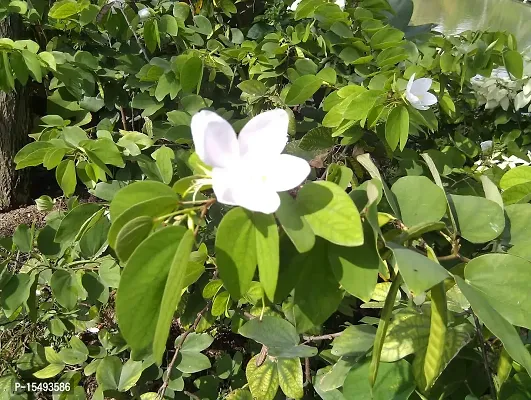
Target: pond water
[[454, 16]]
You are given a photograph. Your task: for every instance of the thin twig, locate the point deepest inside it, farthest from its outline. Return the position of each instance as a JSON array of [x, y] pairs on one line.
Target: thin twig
[[178, 348], [484, 354], [204, 211], [193, 396], [307, 372], [134, 34], [124, 119], [330, 336]]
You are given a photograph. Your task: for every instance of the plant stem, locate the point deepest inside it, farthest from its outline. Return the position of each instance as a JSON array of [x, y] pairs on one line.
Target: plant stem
[[178, 348], [484, 354], [330, 336]]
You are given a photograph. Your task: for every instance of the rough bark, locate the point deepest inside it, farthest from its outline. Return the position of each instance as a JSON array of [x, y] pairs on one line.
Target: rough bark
[[15, 120]]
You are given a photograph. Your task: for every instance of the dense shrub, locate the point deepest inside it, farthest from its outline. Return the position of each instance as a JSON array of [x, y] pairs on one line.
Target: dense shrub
[[393, 263]]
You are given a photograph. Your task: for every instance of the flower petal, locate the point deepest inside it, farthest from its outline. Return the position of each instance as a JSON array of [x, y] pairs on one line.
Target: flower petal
[[265, 135], [214, 139], [421, 85], [410, 83], [429, 99], [223, 183], [287, 172], [259, 198]]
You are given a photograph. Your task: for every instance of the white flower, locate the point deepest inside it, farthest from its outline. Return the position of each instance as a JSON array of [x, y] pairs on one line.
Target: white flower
[[93, 330], [512, 162], [248, 171], [486, 146], [144, 13], [294, 5], [417, 93]]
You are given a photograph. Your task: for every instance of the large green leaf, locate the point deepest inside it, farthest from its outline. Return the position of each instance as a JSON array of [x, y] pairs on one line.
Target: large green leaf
[[395, 381], [236, 251], [267, 251], [517, 224], [355, 341], [331, 213], [150, 289], [316, 277], [64, 288], [263, 379], [498, 325], [66, 177], [270, 331], [397, 127], [131, 235], [514, 63], [356, 268], [290, 377], [302, 89], [191, 74], [479, 220], [499, 279], [15, 292], [74, 222], [139, 192], [23, 238], [420, 200], [515, 176], [419, 272], [294, 224]]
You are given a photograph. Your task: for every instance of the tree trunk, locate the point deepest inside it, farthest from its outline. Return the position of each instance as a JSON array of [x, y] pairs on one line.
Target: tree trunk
[[15, 121]]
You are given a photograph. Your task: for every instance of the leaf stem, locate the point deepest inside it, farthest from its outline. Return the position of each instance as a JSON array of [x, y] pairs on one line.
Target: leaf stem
[[484, 354]]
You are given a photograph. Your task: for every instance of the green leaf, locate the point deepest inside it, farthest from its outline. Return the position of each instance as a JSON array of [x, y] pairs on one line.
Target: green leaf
[[420, 200], [354, 341], [105, 149], [331, 213], [131, 235], [272, 332], [395, 381], [514, 63], [517, 194], [479, 220], [491, 191], [499, 279], [139, 192], [15, 292], [316, 277], [53, 158], [302, 89], [150, 289], [33, 64], [74, 222], [515, 176], [419, 272], [328, 74], [64, 288], [168, 24], [32, 154], [191, 74], [163, 156], [49, 371], [129, 375], [356, 268], [517, 227], [290, 377], [63, 9], [498, 325], [239, 394], [108, 373], [253, 87], [66, 177], [23, 238], [236, 251], [267, 251], [263, 380], [172, 293], [386, 37], [151, 35], [397, 127], [317, 139], [73, 135], [340, 175], [202, 25], [294, 224]]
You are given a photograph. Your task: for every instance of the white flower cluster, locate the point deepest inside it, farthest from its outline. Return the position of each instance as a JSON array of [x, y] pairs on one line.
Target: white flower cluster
[[492, 158], [501, 90]]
